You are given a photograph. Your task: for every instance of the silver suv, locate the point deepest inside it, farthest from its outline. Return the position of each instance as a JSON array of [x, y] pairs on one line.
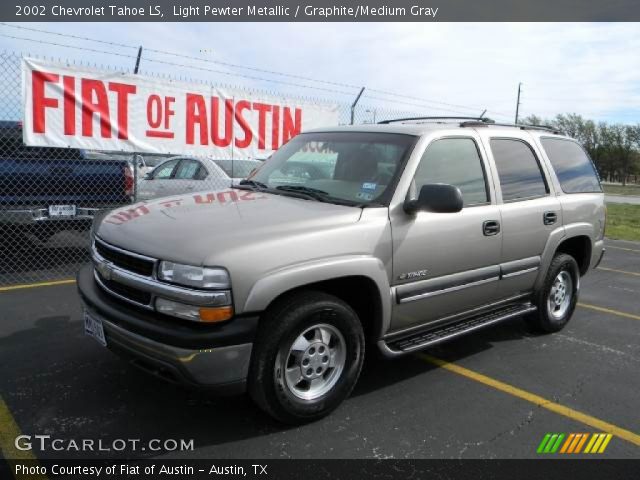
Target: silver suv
[[394, 237]]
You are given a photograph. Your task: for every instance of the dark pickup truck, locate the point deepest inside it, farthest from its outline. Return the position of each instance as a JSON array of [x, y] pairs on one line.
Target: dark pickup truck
[[46, 190]]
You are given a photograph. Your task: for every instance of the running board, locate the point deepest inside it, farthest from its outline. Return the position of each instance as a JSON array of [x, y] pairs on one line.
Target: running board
[[428, 338]]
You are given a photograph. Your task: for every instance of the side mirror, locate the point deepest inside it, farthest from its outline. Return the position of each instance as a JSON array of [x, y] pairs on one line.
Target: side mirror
[[147, 176], [436, 198]]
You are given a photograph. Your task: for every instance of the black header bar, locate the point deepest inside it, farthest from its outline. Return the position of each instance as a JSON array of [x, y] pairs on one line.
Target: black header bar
[[319, 10]]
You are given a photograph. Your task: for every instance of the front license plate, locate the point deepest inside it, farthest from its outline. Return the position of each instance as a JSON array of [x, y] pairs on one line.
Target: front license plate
[[93, 328], [62, 210]]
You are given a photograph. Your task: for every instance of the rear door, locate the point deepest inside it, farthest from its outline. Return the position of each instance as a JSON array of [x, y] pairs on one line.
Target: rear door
[[529, 208]]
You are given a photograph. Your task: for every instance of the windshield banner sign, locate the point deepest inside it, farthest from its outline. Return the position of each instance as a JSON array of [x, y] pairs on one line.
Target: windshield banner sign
[[70, 106]]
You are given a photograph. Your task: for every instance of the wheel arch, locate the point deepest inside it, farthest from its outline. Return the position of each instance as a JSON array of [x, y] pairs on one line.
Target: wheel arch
[[366, 291]]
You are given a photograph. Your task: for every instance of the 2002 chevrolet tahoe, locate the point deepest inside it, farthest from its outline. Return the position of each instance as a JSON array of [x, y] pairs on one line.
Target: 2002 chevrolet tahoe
[[397, 236]]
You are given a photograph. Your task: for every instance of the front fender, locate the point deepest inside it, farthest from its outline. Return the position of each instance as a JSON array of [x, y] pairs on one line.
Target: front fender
[[270, 286]]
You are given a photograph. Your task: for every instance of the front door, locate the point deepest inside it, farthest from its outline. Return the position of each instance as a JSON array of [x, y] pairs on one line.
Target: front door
[[447, 263]]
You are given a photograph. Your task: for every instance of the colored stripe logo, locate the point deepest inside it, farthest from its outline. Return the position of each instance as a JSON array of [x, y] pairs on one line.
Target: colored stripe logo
[[574, 443]]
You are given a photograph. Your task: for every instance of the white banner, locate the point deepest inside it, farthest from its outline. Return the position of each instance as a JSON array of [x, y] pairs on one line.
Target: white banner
[[66, 106]]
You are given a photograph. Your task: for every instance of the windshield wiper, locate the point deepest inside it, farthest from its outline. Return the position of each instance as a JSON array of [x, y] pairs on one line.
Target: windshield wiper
[[252, 183], [312, 192]]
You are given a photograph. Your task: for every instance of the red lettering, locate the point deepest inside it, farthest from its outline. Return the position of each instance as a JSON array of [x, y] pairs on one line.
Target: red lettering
[[90, 107], [248, 136], [40, 102], [233, 196], [215, 122], [275, 128], [208, 199], [262, 109], [69, 85], [154, 111], [289, 128], [168, 111], [196, 114], [126, 215], [123, 91]]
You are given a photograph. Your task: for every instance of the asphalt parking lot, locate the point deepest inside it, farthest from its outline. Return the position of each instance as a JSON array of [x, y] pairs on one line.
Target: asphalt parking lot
[[491, 395]]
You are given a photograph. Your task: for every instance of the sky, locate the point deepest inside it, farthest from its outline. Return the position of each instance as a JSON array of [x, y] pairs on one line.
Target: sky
[[437, 68]]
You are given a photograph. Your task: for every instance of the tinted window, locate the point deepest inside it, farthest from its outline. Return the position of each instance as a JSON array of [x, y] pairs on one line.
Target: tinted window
[[454, 161], [572, 165], [187, 170], [518, 169], [165, 170], [358, 167]]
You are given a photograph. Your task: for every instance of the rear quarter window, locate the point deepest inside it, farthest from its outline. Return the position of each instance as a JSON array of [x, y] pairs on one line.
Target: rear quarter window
[[572, 165]]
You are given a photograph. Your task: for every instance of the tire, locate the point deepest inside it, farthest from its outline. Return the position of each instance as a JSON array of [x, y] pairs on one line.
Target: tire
[[556, 299], [292, 336]]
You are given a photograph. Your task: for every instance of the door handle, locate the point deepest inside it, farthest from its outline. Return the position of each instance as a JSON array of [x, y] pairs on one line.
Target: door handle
[[549, 218], [490, 228]]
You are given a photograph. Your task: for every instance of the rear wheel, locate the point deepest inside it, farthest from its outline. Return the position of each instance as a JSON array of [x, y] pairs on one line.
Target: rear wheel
[[557, 297], [307, 357]]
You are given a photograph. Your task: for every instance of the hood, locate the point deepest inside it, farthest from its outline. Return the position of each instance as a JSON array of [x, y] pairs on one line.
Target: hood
[[196, 228]]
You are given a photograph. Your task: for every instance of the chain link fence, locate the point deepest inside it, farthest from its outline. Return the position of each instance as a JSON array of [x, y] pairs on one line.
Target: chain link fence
[[49, 196]]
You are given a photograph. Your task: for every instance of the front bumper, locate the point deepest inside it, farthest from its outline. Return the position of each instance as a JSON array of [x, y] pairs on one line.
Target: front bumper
[[213, 357]]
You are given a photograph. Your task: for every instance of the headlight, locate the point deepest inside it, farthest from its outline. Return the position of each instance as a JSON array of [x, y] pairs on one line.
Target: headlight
[[193, 313], [189, 276]]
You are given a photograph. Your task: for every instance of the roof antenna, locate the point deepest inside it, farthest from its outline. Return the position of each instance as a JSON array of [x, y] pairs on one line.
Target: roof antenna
[[482, 114]]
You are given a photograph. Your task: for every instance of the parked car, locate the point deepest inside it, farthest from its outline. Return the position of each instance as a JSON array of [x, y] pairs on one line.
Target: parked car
[[146, 163], [46, 190], [189, 174], [237, 170], [421, 233]]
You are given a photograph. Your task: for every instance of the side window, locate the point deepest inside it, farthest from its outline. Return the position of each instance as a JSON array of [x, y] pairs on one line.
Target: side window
[[520, 175], [455, 161], [202, 173], [187, 170], [573, 167], [165, 170]]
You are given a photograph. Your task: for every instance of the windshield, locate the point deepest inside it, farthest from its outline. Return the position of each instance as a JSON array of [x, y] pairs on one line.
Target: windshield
[[238, 168], [355, 167]]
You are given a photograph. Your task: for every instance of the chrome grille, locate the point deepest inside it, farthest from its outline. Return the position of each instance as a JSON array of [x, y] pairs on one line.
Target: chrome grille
[[126, 260], [131, 277]]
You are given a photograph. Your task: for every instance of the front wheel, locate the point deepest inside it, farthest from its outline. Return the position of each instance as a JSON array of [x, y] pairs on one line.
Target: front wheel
[[557, 297], [307, 357]]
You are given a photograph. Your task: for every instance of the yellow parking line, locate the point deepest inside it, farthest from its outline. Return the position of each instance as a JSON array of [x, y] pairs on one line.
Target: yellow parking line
[[609, 310], [623, 248], [9, 431], [575, 415], [626, 272], [37, 285]]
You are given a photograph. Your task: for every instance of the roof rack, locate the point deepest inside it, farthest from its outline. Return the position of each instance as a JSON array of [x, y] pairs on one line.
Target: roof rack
[[413, 119], [521, 126]]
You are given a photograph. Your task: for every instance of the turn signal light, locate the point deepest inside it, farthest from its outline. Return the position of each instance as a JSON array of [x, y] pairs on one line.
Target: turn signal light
[[215, 314]]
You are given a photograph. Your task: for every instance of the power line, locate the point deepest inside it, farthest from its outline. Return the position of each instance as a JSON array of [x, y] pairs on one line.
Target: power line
[[132, 56], [174, 64], [200, 59], [466, 107], [262, 70]]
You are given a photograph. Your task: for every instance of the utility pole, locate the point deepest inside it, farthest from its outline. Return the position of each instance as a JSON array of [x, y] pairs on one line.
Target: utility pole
[[518, 102]]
